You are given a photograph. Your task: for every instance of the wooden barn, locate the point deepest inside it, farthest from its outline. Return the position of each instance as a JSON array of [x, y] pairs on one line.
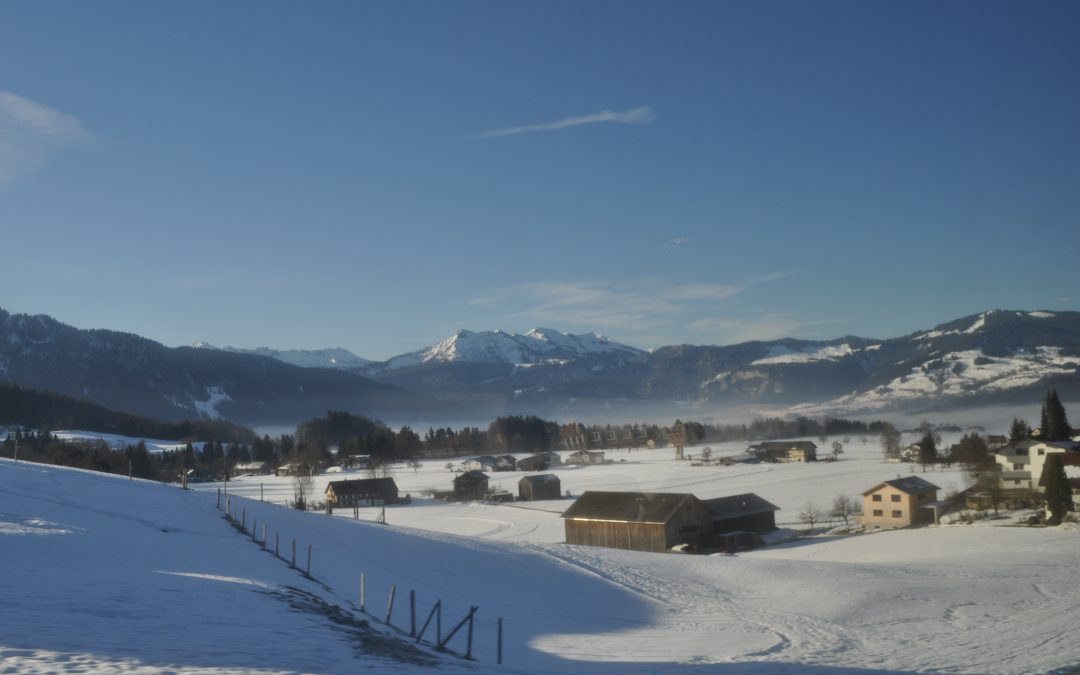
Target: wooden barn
[[745, 512], [362, 492], [471, 485], [638, 521], [544, 486]]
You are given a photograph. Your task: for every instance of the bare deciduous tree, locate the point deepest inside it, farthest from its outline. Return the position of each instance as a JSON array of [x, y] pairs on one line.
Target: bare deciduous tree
[[810, 515], [845, 507]]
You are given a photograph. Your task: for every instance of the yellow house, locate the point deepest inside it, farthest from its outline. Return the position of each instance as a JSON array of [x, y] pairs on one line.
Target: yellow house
[[899, 503]]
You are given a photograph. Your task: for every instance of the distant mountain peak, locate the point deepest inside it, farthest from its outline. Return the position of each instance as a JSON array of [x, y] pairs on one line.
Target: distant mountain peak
[[539, 345]]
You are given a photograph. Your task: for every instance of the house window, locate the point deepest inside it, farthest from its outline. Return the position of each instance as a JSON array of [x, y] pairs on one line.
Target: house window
[[897, 514], [1016, 481], [878, 512], [877, 498], [1018, 467], [894, 498], [1042, 451]]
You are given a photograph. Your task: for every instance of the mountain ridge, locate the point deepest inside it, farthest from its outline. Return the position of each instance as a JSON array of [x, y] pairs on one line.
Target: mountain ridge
[[998, 355]]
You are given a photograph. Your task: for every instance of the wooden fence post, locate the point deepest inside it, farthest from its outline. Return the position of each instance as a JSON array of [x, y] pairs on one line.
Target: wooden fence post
[[218, 505], [390, 605], [277, 541], [441, 646], [468, 653], [243, 521], [412, 613], [293, 563], [264, 537], [308, 561], [423, 629], [254, 529], [363, 591]]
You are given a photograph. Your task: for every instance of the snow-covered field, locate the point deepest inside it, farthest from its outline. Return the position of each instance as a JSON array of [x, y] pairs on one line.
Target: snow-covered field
[[100, 574]]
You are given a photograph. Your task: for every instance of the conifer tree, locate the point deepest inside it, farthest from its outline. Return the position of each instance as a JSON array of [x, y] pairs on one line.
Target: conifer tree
[[1019, 430], [1055, 426], [1058, 491]]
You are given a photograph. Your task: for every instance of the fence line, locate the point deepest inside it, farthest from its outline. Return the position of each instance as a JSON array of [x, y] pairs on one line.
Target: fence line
[[441, 642]]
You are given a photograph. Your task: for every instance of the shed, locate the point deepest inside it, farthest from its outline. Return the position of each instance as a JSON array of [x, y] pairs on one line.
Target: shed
[[471, 485], [544, 486], [745, 512], [638, 521], [505, 463], [362, 492]]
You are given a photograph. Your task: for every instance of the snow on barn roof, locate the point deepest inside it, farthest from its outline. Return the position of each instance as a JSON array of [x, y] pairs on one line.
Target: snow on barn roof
[[739, 505], [634, 507]]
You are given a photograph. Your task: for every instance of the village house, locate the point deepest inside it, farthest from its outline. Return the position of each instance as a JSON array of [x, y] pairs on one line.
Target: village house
[[902, 502], [544, 486], [784, 451], [505, 463], [1022, 462], [471, 485], [361, 492], [638, 521]]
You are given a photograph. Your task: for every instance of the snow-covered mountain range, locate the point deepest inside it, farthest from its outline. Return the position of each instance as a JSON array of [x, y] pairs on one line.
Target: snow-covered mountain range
[[992, 357], [540, 345]]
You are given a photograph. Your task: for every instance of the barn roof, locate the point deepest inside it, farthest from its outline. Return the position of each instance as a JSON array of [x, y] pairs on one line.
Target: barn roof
[[540, 479], [473, 475], [911, 485], [634, 507], [363, 486], [748, 504], [784, 446]]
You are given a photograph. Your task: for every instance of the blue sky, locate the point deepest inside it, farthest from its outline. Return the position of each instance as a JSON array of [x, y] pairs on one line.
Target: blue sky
[[377, 175]]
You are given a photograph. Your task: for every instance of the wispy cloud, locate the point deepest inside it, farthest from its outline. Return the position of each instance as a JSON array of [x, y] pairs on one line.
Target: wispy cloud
[[650, 307], [768, 326], [642, 115], [672, 244], [30, 132]]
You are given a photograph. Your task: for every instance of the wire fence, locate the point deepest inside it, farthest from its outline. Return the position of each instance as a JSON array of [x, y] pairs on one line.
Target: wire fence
[[424, 621]]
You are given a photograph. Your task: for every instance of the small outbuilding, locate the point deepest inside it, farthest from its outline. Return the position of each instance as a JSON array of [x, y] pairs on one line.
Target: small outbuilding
[[471, 485], [362, 492], [638, 521], [544, 486]]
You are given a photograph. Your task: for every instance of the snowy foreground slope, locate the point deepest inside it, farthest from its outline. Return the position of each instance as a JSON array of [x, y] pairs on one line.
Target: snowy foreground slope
[[99, 574]]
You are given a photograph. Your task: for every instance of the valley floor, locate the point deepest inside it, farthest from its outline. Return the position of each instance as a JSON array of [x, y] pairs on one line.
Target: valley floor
[[99, 574]]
